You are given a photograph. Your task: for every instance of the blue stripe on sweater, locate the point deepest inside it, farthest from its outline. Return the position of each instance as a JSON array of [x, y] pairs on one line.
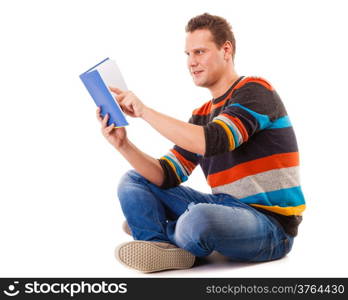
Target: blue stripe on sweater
[[282, 122], [182, 176], [263, 120], [235, 136], [283, 198]]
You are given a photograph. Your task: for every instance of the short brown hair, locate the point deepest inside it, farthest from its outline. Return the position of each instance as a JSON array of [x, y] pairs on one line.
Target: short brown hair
[[220, 29]]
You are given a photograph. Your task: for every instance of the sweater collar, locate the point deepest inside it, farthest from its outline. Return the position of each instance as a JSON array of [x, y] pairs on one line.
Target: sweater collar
[[217, 100]]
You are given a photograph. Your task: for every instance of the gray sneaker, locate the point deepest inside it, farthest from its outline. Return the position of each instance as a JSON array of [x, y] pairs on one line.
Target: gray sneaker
[[153, 256]]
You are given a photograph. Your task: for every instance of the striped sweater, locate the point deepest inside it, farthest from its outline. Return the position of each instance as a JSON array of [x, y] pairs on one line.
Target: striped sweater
[[251, 152]]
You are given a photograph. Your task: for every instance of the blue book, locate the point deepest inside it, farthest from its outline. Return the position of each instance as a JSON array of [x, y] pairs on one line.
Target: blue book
[[97, 81]]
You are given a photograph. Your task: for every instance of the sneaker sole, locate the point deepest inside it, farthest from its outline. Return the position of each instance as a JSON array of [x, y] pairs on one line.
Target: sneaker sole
[[147, 257]]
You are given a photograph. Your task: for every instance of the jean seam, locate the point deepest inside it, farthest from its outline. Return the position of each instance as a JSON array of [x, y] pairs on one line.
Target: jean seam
[[270, 249], [144, 182]]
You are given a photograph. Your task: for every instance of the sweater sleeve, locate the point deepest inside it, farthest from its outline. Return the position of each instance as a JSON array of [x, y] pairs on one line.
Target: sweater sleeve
[[252, 108], [177, 165]]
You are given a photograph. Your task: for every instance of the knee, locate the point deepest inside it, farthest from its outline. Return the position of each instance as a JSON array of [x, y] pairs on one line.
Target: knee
[[130, 177], [195, 230], [127, 183], [196, 223], [205, 221]]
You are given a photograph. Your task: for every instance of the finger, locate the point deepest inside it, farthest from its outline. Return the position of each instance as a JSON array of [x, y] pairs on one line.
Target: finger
[[128, 104], [120, 98], [123, 107], [115, 90], [105, 120], [127, 111], [109, 128], [98, 114]]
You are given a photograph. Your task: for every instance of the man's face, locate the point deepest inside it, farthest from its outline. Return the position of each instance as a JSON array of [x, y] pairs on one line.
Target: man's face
[[205, 61]]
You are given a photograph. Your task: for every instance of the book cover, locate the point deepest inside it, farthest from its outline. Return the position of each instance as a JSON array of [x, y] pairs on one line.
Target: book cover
[[97, 81]]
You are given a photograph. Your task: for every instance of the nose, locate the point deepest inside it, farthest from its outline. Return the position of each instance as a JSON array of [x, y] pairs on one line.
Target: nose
[[192, 61]]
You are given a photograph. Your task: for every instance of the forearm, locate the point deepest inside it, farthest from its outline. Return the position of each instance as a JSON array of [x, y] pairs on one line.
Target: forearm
[[144, 164], [188, 136]]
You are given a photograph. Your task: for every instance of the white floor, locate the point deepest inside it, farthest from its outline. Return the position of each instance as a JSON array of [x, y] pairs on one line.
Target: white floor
[[303, 261], [87, 250], [74, 235]]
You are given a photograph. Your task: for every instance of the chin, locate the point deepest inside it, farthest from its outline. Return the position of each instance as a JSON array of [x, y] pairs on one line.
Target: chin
[[200, 83]]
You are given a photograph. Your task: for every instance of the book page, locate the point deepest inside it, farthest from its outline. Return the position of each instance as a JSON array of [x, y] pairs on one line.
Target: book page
[[111, 75]]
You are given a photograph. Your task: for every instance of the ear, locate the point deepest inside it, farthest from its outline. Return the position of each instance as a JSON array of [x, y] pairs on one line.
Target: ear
[[228, 49]]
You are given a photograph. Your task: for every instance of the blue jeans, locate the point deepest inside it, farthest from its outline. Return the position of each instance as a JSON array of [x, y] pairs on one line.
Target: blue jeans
[[200, 223]]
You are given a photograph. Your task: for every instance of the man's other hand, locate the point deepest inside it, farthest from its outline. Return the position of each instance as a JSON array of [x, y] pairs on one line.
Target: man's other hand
[[115, 136], [129, 102]]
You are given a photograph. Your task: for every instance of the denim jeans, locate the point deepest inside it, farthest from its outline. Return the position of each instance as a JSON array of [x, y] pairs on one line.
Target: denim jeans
[[200, 223]]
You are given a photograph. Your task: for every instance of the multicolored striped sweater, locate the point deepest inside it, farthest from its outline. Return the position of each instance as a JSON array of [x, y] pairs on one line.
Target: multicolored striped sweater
[[251, 152]]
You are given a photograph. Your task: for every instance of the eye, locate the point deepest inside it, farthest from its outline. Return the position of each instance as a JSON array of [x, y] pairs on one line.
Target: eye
[[200, 51]]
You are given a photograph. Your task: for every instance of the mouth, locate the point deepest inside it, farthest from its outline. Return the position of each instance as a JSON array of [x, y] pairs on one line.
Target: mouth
[[195, 73]]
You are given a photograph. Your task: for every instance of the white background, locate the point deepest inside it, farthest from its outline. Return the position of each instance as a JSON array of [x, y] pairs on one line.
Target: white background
[[59, 214]]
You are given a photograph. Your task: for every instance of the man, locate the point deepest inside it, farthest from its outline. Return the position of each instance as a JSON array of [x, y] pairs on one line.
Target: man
[[245, 144]]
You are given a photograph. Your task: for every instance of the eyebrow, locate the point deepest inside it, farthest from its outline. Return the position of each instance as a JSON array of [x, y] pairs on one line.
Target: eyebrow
[[196, 49]]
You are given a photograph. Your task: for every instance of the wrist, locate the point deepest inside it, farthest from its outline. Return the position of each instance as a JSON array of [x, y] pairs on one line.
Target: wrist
[[145, 112], [121, 147]]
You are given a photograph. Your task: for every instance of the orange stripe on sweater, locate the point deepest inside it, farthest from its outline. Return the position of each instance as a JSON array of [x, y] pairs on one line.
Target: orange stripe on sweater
[[208, 107], [241, 128], [205, 109], [187, 164], [276, 161], [231, 142], [173, 167], [259, 80], [238, 123], [286, 211]]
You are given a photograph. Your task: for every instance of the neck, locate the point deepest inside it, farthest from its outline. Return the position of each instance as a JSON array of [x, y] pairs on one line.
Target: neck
[[223, 84]]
